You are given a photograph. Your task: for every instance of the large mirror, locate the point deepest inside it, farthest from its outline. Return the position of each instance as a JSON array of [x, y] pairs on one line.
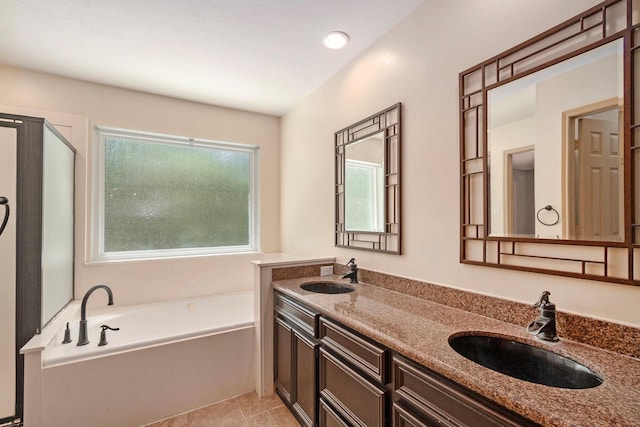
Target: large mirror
[[548, 146], [368, 183]]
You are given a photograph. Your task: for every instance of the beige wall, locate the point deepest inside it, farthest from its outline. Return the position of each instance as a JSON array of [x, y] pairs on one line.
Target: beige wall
[[141, 281], [417, 63]]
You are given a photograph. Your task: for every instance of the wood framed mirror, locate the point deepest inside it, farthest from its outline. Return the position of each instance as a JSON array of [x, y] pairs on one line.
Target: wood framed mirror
[[367, 180], [549, 138]]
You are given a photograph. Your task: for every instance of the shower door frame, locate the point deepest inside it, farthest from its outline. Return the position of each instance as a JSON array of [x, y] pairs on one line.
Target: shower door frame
[[28, 216]]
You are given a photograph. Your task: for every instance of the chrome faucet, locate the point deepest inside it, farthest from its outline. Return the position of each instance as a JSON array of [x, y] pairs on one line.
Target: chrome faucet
[[82, 335], [544, 326], [352, 274]]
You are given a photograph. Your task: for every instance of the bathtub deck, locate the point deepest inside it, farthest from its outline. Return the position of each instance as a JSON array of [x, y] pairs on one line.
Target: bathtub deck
[[246, 410], [147, 325]]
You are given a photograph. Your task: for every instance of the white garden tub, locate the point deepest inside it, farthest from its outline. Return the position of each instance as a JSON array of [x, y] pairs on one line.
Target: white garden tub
[[167, 358]]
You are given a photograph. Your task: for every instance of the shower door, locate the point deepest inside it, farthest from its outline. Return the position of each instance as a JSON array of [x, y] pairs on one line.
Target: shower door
[[8, 170], [36, 246]]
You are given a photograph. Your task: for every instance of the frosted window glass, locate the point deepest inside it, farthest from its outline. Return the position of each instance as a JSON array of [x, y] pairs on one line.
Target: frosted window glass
[[161, 196]]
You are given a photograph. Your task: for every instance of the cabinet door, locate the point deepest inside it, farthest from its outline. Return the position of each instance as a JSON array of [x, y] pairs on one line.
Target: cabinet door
[[305, 381], [296, 373], [283, 359], [357, 399]]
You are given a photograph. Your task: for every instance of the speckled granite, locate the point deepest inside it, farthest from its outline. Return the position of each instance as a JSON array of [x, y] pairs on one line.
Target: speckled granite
[[599, 333], [420, 329], [285, 273], [607, 335]]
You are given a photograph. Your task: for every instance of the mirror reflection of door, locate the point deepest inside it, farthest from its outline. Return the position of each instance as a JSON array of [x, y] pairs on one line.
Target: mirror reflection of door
[[596, 174], [520, 191]]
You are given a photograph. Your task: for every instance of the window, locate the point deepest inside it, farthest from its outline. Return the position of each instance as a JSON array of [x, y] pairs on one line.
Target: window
[[165, 196]]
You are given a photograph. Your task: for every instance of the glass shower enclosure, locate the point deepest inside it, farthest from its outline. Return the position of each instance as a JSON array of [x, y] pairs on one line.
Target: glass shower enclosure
[[37, 244]]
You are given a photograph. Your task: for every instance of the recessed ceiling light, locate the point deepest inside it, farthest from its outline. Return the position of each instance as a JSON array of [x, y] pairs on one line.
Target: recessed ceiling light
[[336, 40]]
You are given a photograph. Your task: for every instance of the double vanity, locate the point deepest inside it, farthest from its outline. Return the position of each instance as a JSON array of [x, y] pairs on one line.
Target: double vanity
[[364, 355], [536, 123]]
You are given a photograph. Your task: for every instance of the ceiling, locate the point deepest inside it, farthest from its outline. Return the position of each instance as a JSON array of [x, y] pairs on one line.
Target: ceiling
[[257, 55]]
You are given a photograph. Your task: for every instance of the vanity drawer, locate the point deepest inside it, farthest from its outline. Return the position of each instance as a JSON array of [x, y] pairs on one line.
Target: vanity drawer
[[329, 417], [356, 399], [366, 356], [404, 418], [294, 311], [435, 400]]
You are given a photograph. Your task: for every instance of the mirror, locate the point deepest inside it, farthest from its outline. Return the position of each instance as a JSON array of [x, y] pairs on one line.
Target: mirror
[[549, 138], [554, 139], [368, 183]]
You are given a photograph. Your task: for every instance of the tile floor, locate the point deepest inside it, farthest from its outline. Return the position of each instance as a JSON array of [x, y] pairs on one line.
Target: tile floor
[[247, 410]]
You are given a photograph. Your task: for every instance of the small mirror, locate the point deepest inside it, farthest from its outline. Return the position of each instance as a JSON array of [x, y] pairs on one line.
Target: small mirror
[[368, 183], [555, 150]]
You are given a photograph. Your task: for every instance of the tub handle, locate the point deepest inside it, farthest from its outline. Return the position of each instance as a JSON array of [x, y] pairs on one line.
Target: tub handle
[[103, 334]]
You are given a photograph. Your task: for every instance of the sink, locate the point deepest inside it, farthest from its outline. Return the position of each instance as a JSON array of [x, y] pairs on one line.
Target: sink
[[524, 361], [327, 287]]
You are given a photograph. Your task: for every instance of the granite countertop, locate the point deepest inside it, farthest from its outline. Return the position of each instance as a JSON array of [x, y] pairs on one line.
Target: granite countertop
[[419, 329]]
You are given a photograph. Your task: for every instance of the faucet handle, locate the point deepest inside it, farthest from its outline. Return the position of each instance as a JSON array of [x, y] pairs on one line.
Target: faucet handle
[[543, 301], [103, 334], [67, 335]]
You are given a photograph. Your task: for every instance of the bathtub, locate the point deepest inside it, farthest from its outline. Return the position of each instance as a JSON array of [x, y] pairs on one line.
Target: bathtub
[[165, 359]]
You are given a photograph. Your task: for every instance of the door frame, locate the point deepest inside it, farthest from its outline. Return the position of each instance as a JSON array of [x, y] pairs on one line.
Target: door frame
[[508, 185], [568, 154]]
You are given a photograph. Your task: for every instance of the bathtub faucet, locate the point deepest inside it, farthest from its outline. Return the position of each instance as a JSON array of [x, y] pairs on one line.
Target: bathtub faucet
[[82, 335]]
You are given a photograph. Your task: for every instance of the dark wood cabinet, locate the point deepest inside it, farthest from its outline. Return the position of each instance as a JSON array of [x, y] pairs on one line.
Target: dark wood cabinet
[[296, 355], [283, 343], [352, 377], [362, 353], [356, 399], [423, 398], [332, 376], [306, 378]]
